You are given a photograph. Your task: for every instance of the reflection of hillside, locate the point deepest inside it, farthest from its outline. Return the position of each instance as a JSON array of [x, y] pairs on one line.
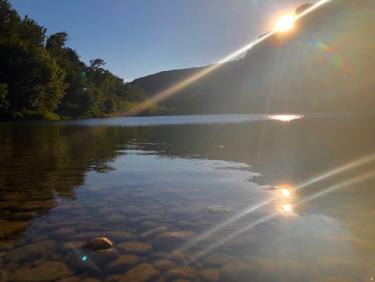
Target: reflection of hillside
[[290, 152]]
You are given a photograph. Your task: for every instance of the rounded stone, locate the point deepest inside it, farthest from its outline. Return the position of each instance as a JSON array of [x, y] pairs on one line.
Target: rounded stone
[[172, 239], [121, 235], [9, 227], [135, 247], [219, 209], [122, 263], [238, 272], [164, 264], [70, 279], [141, 273], [185, 272], [100, 243], [43, 249], [102, 257], [113, 278], [210, 274], [153, 232], [47, 271]]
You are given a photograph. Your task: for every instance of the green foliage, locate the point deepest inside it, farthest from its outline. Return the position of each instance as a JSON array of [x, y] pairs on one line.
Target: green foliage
[[35, 81], [42, 78]]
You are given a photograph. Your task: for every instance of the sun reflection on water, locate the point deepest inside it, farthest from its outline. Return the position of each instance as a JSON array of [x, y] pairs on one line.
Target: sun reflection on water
[[287, 208], [285, 118], [285, 199]]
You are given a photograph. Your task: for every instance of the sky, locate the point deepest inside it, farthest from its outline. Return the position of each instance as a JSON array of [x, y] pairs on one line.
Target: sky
[[141, 37]]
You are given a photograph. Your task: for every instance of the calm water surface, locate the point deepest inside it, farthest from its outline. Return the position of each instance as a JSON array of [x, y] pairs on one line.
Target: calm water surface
[[195, 198]]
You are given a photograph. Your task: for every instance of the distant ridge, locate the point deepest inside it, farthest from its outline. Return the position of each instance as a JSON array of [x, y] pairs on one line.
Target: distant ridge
[[325, 64]]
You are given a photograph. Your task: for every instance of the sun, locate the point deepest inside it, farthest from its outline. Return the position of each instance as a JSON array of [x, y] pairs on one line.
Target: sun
[[285, 23]]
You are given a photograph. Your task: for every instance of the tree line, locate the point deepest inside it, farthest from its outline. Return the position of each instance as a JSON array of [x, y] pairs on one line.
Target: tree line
[[42, 78]]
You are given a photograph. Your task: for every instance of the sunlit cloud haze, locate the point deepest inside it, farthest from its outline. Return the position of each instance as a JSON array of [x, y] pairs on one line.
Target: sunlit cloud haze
[[137, 38]]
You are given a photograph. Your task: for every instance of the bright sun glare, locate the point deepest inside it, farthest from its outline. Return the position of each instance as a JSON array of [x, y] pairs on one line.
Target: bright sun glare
[[285, 23], [285, 192]]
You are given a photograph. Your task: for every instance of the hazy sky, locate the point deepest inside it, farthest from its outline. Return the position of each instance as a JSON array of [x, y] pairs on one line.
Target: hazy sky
[[141, 37]]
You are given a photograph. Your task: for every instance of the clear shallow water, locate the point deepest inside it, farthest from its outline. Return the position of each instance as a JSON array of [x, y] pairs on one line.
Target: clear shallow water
[[215, 180]]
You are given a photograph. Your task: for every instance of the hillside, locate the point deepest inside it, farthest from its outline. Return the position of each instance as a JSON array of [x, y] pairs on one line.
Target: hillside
[[325, 64]]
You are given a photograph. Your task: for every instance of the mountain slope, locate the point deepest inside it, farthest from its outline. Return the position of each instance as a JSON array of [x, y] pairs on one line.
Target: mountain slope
[[325, 64]]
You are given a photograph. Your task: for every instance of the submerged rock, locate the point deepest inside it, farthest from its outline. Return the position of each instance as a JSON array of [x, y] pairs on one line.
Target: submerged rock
[[91, 279], [24, 215], [85, 236], [64, 231], [47, 271], [115, 218], [72, 245], [8, 205], [153, 232], [185, 272], [70, 279], [141, 273], [122, 263], [210, 274], [9, 227], [135, 247], [172, 239], [238, 272], [180, 257], [164, 264], [43, 249], [5, 246], [100, 243], [36, 205], [219, 209], [102, 257], [113, 278], [218, 260], [121, 235]]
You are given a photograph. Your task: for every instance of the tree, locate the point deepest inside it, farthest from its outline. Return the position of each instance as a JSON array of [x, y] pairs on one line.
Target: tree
[[56, 43], [45, 76], [31, 32], [35, 81]]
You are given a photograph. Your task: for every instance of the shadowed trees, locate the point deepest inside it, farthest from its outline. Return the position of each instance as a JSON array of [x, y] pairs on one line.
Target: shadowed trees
[[40, 77]]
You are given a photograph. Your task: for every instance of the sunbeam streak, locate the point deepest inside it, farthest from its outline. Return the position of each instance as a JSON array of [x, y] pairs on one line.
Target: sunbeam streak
[[338, 170], [144, 105], [234, 235], [223, 224], [354, 164], [188, 81], [324, 192]]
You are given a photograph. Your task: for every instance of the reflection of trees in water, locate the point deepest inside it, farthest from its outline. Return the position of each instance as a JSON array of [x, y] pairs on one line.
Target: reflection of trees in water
[[39, 161]]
